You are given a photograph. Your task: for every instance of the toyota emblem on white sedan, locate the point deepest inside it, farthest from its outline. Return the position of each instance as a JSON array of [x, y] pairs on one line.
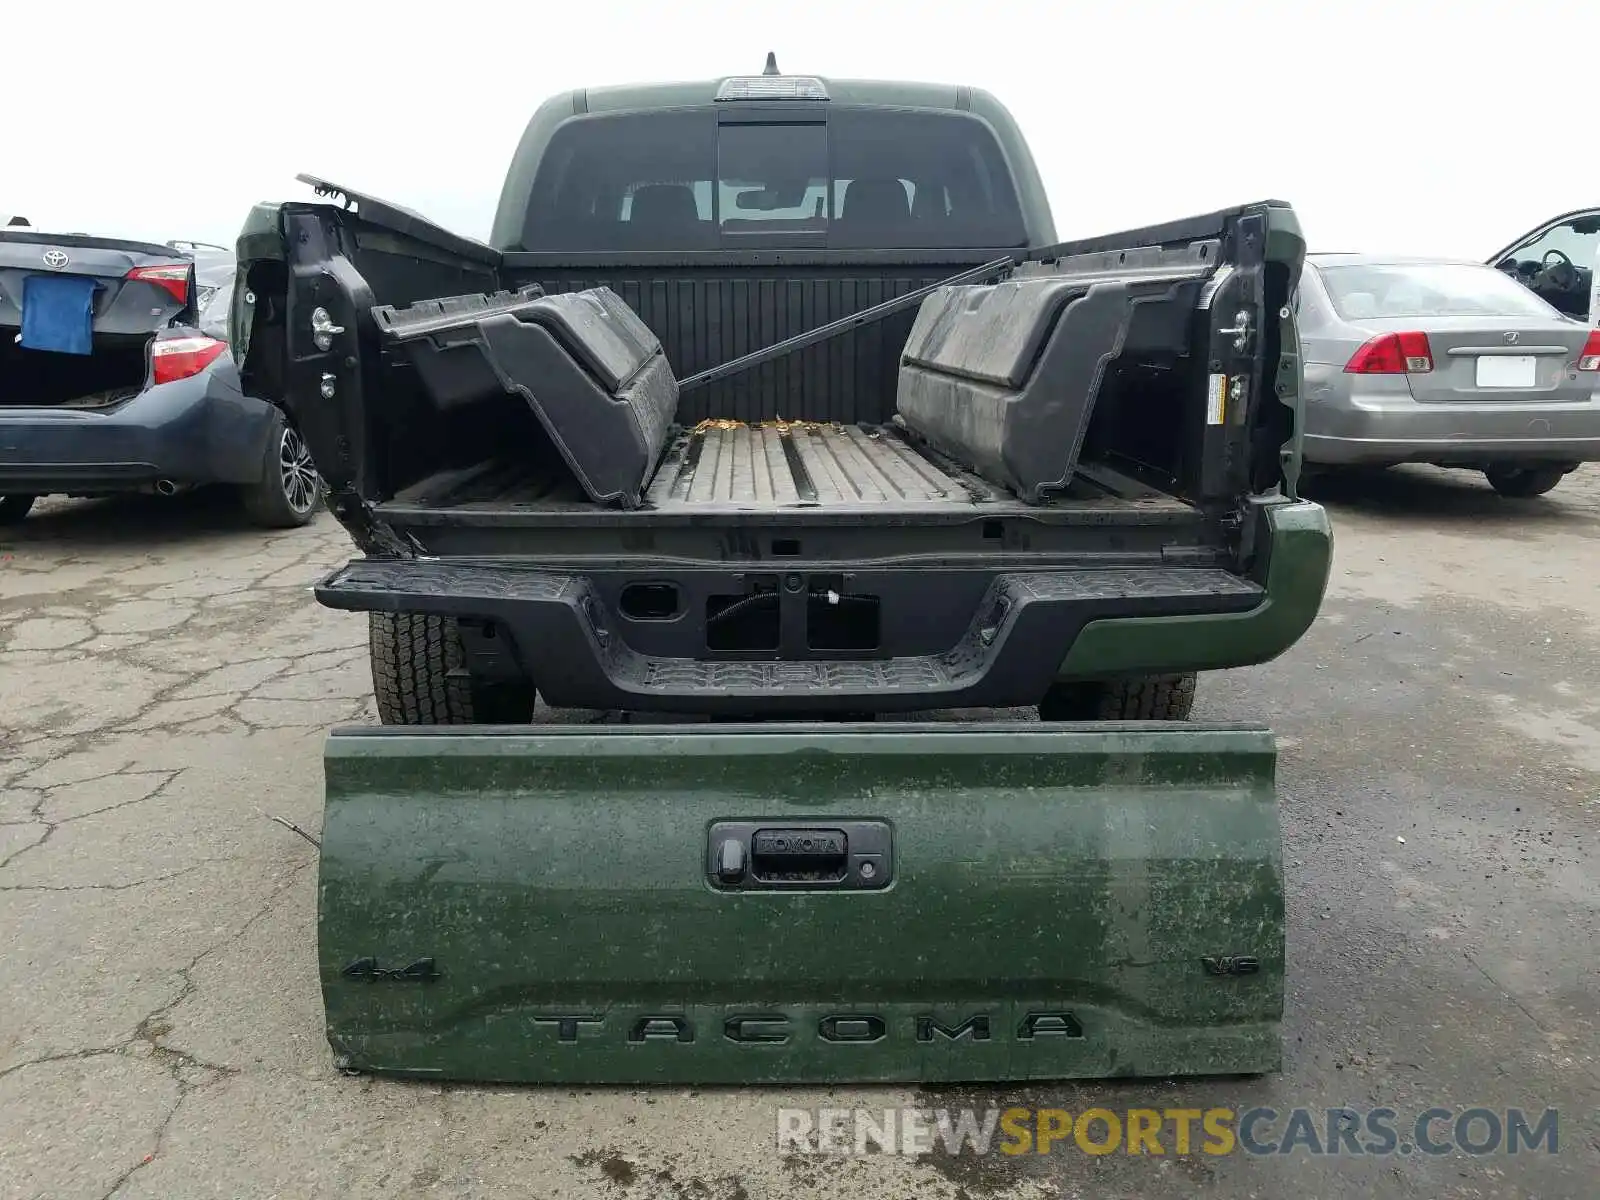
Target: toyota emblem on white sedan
[[55, 259]]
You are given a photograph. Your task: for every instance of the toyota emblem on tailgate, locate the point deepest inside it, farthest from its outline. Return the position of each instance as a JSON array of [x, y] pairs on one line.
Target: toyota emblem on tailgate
[[55, 259]]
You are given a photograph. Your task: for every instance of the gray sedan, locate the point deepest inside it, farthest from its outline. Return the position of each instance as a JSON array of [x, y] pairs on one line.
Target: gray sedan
[[1451, 363]]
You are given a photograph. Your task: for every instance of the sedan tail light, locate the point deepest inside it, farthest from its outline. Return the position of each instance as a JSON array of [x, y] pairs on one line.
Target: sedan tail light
[[172, 280], [181, 357], [1589, 356], [1393, 354]]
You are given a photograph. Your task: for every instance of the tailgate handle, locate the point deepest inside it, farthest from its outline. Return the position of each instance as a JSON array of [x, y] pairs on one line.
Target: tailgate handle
[[754, 855]]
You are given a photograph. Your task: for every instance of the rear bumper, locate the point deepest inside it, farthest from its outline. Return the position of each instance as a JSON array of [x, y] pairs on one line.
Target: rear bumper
[[183, 432], [1294, 560], [580, 653], [1014, 634], [1395, 429]]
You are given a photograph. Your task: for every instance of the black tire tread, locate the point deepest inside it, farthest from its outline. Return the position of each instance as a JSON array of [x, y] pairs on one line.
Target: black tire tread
[[1148, 698], [1156, 698], [412, 657]]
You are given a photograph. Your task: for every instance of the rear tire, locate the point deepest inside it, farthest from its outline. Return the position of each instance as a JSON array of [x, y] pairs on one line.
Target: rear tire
[[289, 489], [1149, 698], [418, 676], [14, 508], [1520, 483]]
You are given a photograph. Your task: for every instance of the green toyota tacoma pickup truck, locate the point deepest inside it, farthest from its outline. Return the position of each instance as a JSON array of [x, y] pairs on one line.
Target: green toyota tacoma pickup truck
[[774, 406]]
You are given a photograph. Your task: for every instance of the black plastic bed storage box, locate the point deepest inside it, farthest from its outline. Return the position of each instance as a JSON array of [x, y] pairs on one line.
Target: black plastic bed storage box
[[1003, 377], [591, 370]]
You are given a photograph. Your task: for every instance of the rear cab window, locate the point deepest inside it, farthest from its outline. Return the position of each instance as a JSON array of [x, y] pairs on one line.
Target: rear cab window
[[704, 179]]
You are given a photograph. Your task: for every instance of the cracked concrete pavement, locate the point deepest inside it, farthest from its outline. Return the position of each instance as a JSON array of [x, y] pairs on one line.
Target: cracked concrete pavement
[[166, 680]]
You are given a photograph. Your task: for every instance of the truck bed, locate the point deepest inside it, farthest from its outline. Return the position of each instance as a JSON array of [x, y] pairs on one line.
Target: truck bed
[[724, 466], [491, 414]]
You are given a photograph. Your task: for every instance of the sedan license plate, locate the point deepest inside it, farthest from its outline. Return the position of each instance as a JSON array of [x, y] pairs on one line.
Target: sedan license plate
[[1507, 371]]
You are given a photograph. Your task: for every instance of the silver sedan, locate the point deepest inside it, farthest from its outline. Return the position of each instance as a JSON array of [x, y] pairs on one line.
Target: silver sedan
[[1451, 363]]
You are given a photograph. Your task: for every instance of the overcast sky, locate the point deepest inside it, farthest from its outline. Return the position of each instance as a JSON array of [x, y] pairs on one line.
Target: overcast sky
[[1411, 126]]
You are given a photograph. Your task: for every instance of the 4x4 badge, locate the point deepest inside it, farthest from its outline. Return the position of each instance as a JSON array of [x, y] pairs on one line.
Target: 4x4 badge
[[421, 971], [1231, 964]]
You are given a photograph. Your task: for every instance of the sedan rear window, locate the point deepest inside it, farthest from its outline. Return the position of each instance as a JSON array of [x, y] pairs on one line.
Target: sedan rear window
[[859, 178], [1363, 291]]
